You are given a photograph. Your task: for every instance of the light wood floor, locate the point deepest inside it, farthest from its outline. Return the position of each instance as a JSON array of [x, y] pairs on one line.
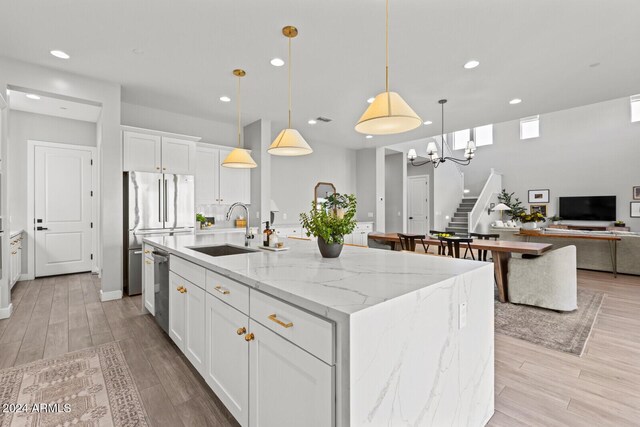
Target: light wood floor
[[534, 386]]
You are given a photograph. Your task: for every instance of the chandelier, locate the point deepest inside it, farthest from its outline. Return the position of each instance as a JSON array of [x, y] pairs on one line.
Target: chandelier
[[432, 149]]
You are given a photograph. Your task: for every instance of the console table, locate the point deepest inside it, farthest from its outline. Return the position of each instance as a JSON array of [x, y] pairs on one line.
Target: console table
[[612, 240]]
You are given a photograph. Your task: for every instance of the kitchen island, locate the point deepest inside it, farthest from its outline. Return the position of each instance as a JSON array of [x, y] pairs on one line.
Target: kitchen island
[[371, 338]]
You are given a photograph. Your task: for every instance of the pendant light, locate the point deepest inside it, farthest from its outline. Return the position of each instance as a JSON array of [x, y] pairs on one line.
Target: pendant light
[[289, 142], [239, 158], [388, 113]]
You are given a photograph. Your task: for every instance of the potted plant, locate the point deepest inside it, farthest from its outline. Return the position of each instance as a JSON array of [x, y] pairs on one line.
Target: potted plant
[[530, 220], [329, 227], [513, 202], [200, 218], [619, 223], [555, 220]]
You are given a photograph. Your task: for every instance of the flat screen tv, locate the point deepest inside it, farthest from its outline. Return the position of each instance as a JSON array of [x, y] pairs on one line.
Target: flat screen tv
[[588, 208]]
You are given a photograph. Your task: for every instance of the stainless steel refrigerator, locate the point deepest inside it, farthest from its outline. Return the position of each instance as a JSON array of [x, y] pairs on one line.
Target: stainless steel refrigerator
[[155, 205]]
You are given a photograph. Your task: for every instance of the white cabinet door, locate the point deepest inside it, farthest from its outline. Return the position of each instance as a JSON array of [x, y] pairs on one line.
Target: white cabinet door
[[194, 336], [207, 179], [149, 285], [227, 367], [287, 385], [235, 184], [142, 152], [348, 239], [178, 156], [176, 310]]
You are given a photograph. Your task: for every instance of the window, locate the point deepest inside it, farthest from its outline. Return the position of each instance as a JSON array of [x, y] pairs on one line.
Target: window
[[460, 139], [483, 135], [635, 108], [530, 127]]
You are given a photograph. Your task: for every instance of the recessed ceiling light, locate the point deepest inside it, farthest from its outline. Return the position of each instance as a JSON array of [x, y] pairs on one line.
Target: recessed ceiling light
[[370, 100], [515, 101], [32, 96], [225, 99], [277, 62], [312, 122], [471, 64], [60, 54], [369, 136], [427, 123]]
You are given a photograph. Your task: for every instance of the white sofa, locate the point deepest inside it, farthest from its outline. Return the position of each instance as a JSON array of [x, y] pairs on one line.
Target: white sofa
[[548, 281]]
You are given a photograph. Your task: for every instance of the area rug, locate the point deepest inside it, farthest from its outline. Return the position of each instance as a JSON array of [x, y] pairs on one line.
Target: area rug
[[567, 332], [91, 387]]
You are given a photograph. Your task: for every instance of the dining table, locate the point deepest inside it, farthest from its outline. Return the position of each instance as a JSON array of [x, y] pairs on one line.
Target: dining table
[[501, 251]]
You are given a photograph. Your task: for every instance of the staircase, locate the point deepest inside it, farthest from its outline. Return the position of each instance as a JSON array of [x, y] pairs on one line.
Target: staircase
[[460, 222]]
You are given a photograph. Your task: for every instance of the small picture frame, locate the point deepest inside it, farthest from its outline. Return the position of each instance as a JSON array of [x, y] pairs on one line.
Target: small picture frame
[[538, 208], [634, 210], [538, 196], [636, 193]]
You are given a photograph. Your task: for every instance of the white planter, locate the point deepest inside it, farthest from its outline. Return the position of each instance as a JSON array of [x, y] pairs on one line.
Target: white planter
[[529, 225]]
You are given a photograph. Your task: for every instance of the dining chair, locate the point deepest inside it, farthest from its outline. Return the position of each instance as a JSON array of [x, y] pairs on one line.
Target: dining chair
[[408, 241], [433, 233], [453, 245], [482, 253]]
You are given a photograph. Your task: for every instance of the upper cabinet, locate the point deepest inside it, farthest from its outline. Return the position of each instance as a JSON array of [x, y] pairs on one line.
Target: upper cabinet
[[153, 152], [217, 185]]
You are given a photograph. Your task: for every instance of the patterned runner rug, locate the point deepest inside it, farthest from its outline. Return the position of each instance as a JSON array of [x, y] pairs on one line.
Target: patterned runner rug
[[91, 387], [566, 332]]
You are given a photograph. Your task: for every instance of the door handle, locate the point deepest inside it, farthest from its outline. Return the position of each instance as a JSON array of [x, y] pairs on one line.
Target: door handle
[[165, 200], [41, 228], [159, 200], [410, 217]]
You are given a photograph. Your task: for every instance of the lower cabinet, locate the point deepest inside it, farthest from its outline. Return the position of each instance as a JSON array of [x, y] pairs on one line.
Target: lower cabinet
[[287, 385], [227, 353], [176, 310], [187, 319], [149, 285]]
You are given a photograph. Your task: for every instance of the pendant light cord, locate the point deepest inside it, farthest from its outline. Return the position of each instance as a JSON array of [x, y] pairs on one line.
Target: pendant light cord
[[239, 110], [289, 82], [442, 136], [386, 37]]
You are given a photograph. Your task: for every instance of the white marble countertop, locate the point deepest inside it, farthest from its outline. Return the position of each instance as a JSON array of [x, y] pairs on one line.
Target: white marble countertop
[[214, 230], [335, 288]]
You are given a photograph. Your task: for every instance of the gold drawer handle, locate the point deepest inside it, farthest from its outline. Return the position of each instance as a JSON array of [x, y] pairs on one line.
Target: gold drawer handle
[[146, 261], [222, 290], [147, 252], [249, 337], [274, 318], [241, 331], [181, 289], [14, 252]]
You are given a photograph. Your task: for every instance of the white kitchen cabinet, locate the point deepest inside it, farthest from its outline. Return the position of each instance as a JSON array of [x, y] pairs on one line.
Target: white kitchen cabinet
[[287, 385], [227, 357], [142, 152], [148, 280], [360, 235], [178, 156], [194, 337], [216, 184], [15, 259], [207, 181], [177, 318]]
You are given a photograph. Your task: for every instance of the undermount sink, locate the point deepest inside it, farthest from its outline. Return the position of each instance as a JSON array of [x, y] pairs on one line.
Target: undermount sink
[[222, 250]]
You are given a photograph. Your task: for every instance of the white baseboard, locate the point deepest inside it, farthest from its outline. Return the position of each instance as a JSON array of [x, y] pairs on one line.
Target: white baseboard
[[109, 296], [24, 276], [5, 312]]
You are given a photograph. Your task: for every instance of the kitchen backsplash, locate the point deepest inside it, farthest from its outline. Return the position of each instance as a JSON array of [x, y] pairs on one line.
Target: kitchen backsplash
[[219, 212]]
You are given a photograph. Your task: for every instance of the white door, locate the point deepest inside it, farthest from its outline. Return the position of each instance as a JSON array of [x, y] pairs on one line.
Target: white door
[[178, 156], [207, 176], [142, 152], [62, 208], [176, 310], [194, 334], [227, 370], [149, 284], [235, 184], [288, 387], [418, 204]]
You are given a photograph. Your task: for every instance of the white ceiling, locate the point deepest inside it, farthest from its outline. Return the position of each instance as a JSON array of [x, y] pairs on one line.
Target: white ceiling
[[52, 106], [540, 51]]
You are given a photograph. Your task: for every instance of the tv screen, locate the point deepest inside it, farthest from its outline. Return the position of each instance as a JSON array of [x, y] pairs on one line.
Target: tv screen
[[589, 208]]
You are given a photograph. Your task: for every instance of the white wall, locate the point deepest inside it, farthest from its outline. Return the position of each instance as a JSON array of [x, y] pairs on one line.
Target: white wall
[[424, 170], [24, 126], [152, 118], [585, 151], [366, 183], [393, 192], [293, 179], [447, 193], [107, 94]]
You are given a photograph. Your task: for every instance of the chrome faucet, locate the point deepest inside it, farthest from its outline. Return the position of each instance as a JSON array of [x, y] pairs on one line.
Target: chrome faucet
[[247, 234]]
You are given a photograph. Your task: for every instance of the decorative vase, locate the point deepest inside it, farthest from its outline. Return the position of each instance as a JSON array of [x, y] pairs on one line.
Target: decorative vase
[[529, 225], [329, 251]]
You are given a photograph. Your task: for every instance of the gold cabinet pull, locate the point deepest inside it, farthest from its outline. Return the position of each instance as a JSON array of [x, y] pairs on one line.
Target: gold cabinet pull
[[241, 331], [222, 290], [184, 290], [179, 289], [249, 337], [146, 261], [147, 252], [274, 318], [14, 252]]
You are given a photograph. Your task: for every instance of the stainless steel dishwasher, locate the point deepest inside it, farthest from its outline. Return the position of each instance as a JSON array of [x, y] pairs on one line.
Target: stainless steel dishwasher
[[161, 286]]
